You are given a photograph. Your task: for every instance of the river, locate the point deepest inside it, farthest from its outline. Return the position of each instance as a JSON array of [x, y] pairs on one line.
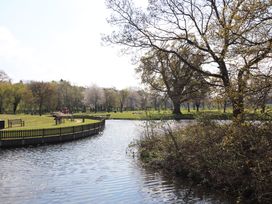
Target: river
[[97, 169]]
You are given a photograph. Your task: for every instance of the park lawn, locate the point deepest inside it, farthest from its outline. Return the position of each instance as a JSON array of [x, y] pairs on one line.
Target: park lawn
[[40, 122], [167, 114], [162, 114], [134, 115], [139, 114]]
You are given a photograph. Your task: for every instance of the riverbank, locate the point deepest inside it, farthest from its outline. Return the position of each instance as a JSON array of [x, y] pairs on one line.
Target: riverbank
[[167, 115], [234, 159]]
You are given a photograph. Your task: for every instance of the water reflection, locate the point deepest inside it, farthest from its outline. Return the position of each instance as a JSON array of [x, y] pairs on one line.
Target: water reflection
[[92, 170]]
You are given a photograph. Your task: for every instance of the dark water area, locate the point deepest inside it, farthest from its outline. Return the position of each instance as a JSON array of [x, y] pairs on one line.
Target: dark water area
[[98, 169]]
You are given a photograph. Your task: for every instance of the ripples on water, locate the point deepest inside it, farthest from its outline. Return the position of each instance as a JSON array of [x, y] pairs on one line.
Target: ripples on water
[[92, 170]]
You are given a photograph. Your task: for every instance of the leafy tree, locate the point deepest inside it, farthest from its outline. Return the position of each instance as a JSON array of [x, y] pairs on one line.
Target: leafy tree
[[5, 95], [28, 102], [67, 96], [17, 92], [111, 99], [165, 72], [42, 92], [144, 99], [5, 88], [235, 36], [122, 96], [76, 96]]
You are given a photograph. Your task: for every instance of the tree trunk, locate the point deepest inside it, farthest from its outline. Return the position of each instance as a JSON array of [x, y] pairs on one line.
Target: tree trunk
[[225, 106], [238, 109], [165, 104], [176, 104], [14, 108], [40, 109], [188, 107], [176, 109], [95, 108], [155, 103], [238, 97], [218, 106], [121, 107], [263, 106], [197, 107]]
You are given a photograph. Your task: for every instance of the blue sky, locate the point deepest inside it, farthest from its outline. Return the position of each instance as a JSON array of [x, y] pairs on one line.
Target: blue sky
[[60, 39]]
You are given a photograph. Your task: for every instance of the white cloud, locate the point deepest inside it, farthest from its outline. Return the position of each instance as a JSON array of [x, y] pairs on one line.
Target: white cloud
[[14, 58], [10, 47], [65, 46], [8, 43]]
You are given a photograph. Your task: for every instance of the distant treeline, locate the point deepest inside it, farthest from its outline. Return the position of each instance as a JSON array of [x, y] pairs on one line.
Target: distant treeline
[[38, 97]]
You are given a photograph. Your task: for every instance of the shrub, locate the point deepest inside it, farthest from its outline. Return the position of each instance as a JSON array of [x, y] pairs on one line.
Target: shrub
[[236, 158]]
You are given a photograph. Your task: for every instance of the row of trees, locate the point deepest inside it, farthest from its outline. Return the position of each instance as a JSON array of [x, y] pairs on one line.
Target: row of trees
[[110, 99], [38, 97], [191, 92], [222, 44]]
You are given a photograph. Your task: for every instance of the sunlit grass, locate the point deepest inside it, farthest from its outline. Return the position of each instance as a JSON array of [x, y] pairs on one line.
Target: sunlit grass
[[40, 122], [159, 114]]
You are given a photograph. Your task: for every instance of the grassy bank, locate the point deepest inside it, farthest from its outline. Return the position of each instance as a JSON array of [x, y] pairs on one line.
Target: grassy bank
[[167, 114], [39, 122], [230, 158]]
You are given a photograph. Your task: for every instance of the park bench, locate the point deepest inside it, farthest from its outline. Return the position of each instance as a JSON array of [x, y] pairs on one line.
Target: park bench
[[15, 122]]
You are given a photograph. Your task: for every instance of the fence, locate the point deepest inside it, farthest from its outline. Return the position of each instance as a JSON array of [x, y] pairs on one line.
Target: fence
[[16, 138]]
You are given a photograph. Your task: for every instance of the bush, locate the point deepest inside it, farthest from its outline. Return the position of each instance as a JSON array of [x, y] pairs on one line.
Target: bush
[[234, 158]]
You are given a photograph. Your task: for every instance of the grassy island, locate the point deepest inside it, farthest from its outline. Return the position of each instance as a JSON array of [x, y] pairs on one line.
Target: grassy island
[[40, 122]]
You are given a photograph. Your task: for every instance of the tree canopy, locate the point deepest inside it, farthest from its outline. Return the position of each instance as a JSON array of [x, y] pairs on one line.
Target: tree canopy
[[235, 36]]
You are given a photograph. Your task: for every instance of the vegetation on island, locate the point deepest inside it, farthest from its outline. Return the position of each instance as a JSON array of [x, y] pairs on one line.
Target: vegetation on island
[[40, 122]]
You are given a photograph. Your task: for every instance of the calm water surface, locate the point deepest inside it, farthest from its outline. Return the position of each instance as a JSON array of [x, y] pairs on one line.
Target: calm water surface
[[93, 170]]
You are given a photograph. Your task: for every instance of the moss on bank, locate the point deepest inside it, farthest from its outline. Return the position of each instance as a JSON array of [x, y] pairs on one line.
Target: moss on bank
[[235, 159]]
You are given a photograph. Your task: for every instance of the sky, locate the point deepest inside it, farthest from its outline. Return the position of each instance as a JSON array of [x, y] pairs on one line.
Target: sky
[[47, 40]]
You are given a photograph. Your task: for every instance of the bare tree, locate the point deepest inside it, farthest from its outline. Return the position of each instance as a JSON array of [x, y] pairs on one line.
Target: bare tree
[[133, 100], [94, 97]]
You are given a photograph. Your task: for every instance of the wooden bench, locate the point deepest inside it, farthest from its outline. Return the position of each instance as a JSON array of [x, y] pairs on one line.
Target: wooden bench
[[16, 122]]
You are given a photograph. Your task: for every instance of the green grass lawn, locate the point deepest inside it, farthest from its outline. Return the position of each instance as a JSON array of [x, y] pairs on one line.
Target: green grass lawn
[[143, 115], [40, 122], [134, 115], [154, 114]]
